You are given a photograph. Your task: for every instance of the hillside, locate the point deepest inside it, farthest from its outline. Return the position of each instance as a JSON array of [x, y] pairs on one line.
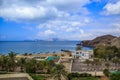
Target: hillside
[[116, 42], [103, 40]]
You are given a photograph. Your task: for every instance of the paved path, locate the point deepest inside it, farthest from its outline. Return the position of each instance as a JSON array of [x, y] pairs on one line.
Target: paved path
[[16, 75]]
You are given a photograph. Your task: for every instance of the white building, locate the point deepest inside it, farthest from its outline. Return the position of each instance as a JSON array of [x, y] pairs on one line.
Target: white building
[[83, 54]]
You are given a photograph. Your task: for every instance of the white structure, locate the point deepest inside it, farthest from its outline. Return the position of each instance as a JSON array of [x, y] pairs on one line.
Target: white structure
[[83, 54]]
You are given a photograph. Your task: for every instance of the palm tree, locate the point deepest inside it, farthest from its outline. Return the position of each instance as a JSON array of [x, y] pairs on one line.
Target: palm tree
[[31, 66], [22, 62], [12, 63], [45, 65], [4, 62], [96, 62], [59, 72], [0, 62]]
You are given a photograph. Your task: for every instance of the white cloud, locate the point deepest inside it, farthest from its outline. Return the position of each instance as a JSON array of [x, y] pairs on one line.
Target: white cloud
[[40, 10], [45, 34], [67, 19], [112, 9], [29, 13], [70, 5], [49, 32]]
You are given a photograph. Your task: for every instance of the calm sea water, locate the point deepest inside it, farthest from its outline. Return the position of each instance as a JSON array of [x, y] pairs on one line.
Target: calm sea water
[[37, 47]]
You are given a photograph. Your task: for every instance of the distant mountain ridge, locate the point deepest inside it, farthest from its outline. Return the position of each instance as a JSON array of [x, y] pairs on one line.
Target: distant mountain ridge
[[103, 40]]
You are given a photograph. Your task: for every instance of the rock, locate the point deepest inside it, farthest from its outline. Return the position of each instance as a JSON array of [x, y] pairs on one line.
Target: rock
[[116, 42], [103, 40]]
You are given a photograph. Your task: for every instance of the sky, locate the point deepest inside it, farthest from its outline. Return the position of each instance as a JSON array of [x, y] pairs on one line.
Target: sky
[[62, 19]]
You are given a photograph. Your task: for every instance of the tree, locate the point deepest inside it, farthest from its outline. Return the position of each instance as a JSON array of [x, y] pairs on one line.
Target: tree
[[96, 62], [31, 66], [115, 76], [4, 62], [59, 71], [22, 63], [12, 63], [115, 61], [45, 65], [106, 52], [107, 64], [87, 62], [106, 72]]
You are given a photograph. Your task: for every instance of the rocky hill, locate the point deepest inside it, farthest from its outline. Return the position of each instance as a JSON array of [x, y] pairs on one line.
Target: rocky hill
[[103, 40], [116, 42]]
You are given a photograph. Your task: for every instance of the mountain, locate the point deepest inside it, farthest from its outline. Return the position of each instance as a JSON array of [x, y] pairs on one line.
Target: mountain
[[116, 42], [103, 40]]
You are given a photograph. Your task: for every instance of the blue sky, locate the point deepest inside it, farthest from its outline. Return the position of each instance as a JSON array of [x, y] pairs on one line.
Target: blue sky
[[63, 19]]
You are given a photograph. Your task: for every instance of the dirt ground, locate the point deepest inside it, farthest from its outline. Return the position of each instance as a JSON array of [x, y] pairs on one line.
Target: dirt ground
[[104, 78]]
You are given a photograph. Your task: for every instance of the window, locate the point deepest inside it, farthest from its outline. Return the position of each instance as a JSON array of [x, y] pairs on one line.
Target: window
[[77, 52]]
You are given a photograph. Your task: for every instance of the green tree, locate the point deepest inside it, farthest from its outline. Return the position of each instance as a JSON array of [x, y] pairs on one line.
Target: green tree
[[107, 64], [31, 66], [45, 65], [12, 63], [22, 63], [106, 72], [96, 62], [115, 61], [87, 61], [4, 62], [59, 72], [115, 76]]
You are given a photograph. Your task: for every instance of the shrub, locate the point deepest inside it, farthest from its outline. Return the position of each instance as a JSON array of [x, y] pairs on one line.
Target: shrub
[[106, 72], [62, 55], [115, 76], [77, 75]]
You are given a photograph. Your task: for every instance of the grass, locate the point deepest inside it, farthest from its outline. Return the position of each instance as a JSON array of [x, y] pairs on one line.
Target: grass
[[37, 77], [86, 78]]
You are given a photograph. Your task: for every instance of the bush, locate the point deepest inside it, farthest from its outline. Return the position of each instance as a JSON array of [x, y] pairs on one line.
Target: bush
[[37, 77], [115, 76], [62, 55], [55, 55], [106, 72], [77, 75]]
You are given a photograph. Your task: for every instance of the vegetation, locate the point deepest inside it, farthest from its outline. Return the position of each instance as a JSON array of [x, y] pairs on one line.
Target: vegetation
[[8, 63], [85, 78], [62, 55], [106, 72], [106, 52], [95, 63], [59, 72], [115, 76], [37, 77], [107, 64], [22, 64], [82, 76], [87, 61]]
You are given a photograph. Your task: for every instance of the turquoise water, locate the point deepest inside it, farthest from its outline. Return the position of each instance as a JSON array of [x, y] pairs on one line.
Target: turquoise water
[[37, 47], [50, 58]]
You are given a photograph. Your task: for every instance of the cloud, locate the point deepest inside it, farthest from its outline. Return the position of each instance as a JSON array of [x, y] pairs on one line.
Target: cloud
[[41, 10], [112, 8], [29, 13], [49, 32], [69, 19], [69, 5]]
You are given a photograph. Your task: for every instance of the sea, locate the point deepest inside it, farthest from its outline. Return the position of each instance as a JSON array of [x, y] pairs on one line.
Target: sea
[[37, 47]]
